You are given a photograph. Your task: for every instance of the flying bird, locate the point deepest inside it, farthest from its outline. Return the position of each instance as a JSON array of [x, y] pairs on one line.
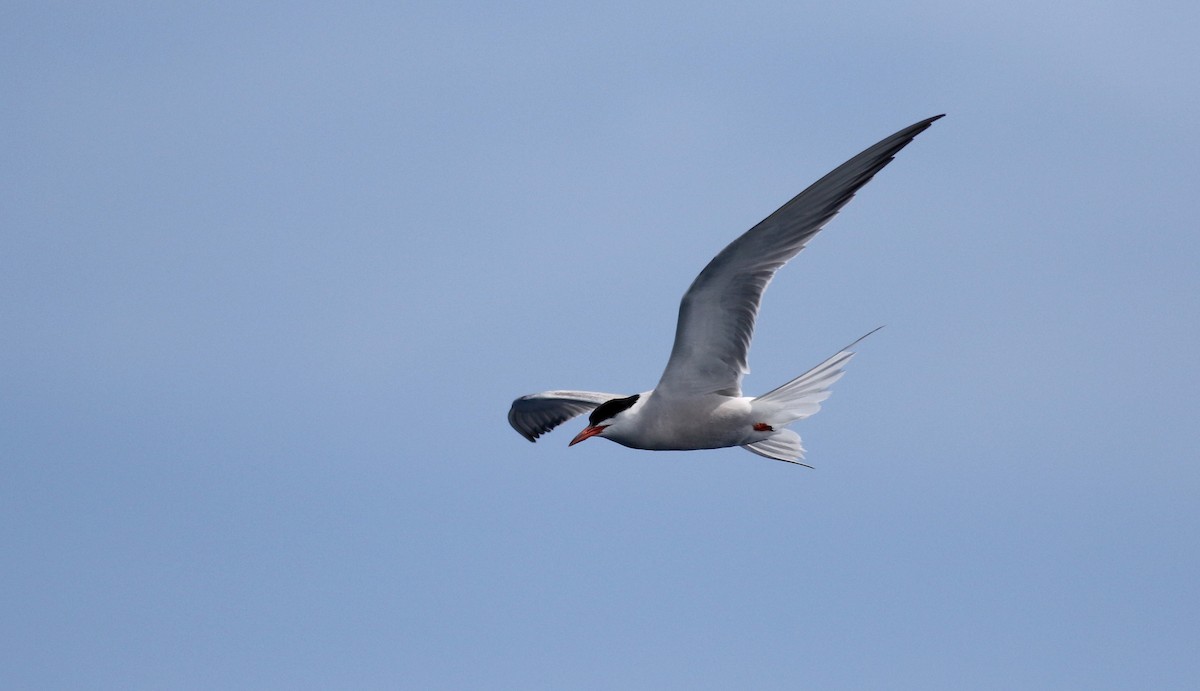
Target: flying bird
[[698, 402]]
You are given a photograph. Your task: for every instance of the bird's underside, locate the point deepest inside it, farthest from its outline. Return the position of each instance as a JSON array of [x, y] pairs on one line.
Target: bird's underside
[[755, 424], [698, 401]]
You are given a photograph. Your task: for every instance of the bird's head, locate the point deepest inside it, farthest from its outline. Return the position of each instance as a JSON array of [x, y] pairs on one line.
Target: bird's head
[[605, 415]]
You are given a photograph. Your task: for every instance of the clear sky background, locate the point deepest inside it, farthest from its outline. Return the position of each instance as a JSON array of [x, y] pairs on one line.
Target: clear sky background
[[270, 277]]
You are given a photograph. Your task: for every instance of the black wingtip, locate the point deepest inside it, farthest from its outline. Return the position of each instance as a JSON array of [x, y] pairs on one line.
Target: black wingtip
[[919, 127]]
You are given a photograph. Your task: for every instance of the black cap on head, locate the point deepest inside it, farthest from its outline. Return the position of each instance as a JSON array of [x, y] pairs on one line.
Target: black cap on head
[[610, 408]]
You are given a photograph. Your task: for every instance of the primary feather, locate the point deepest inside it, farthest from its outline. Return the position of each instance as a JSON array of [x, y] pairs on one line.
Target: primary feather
[[698, 403], [716, 315], [538, 413]]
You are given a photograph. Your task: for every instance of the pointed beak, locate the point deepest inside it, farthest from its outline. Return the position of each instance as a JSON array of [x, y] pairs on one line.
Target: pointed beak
[[587, 432]]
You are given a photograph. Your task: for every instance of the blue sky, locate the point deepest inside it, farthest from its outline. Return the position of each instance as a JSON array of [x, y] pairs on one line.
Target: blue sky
[[270, 277]]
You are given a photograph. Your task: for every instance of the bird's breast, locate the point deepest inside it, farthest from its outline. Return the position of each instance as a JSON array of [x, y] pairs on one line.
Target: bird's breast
[[710, 422]]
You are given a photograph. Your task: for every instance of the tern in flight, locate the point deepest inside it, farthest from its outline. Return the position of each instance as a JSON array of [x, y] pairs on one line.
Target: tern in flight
[[698, 402]]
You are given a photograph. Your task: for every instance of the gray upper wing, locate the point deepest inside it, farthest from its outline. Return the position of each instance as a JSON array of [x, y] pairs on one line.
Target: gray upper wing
[[716, 316]]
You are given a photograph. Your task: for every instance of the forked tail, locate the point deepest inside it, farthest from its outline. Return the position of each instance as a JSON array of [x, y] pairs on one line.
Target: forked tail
[[796, 400]]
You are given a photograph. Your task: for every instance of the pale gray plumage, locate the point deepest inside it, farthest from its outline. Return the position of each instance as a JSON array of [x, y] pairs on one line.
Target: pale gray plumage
[[716, 316], [698, 403]]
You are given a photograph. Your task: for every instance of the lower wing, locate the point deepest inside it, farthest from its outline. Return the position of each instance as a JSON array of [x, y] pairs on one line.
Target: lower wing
[[537, 414]]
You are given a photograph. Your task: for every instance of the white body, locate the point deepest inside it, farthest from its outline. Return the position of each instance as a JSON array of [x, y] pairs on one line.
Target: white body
[[654, 424], [698, 402]]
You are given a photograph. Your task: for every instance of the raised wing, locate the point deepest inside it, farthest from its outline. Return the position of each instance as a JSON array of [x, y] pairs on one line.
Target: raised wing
[[716, 316], [537, 414]]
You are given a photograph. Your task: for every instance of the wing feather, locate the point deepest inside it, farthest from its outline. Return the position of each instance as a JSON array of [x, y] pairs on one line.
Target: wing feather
[[536, 414], [716, 315]]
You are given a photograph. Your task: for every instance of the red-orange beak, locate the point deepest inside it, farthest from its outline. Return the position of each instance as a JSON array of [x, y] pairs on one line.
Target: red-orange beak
[[587, 432]]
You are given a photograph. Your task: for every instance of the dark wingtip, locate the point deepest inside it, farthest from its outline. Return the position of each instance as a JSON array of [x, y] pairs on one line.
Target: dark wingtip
[[919, 127], [512, 420]]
